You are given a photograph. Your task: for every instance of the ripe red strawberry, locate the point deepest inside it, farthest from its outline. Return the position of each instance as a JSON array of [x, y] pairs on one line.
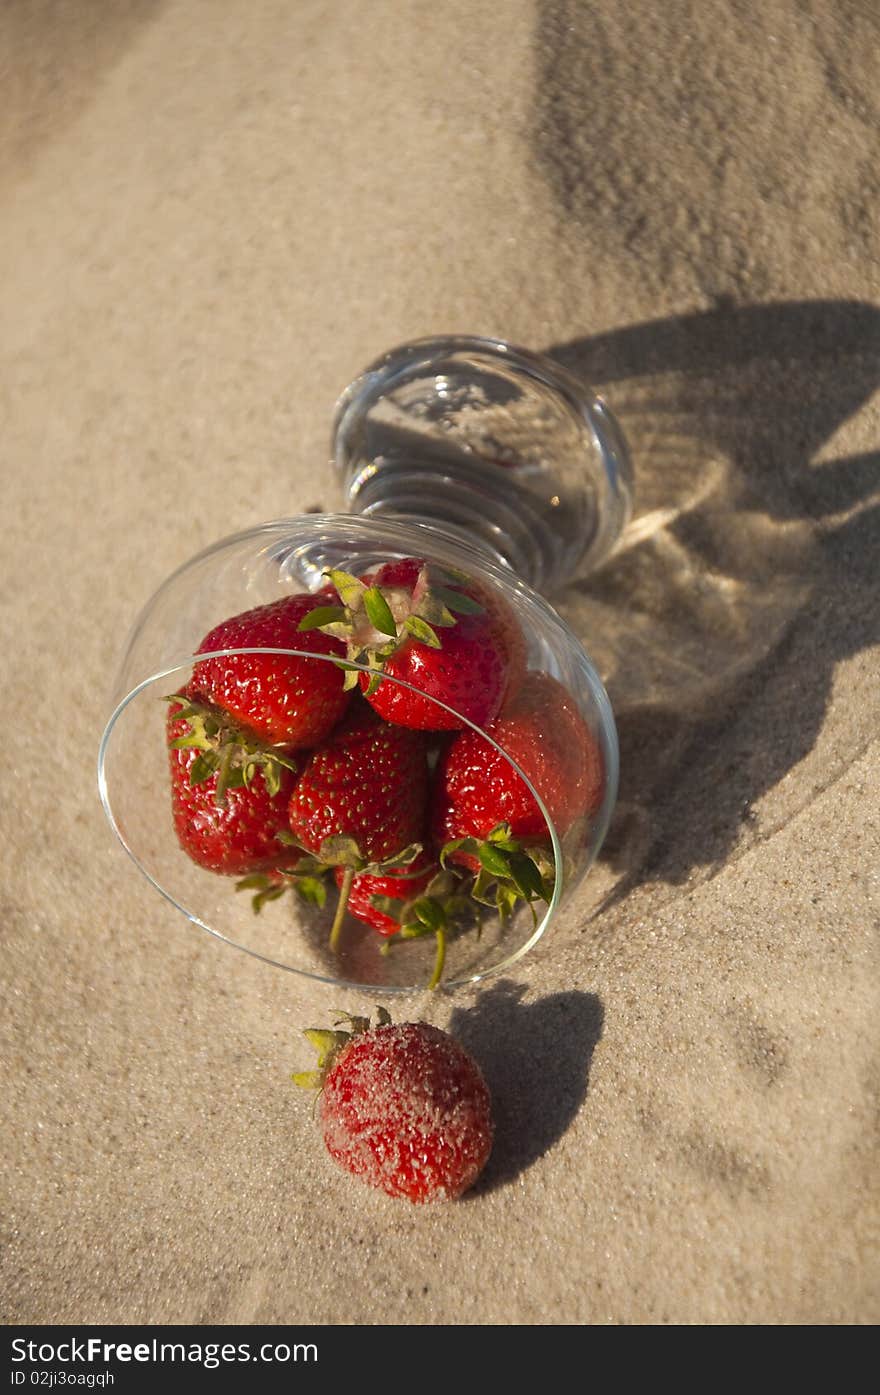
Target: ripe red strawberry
[[542, 729], [366, 784], [405, 886], [403, 1107], [452, 640], [232, 831], [361, 799], [285, 700]]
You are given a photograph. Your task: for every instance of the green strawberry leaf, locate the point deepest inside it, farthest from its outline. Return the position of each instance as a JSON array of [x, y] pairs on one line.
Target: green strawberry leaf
[[306, 877], [373, 685], [327, 1043], [271, 893], [272, 778], [342, 851], [352, 677], [421, 630], [396, 863], [203, 767], [309, 1079], [312, 890], [417, 930], [307, 866], [379, 612], [389, 905], [468, 845], [197, 737], [235, 779], [263, 887], [351, 589], [525, 876], [508, 873], [253, 881], [235, 755], [506, 898], [289, 762], [322, 615], [431, 609], [502, 837], [494, 860], [457, 601], [482, 887], [428, 913], [451, 576]]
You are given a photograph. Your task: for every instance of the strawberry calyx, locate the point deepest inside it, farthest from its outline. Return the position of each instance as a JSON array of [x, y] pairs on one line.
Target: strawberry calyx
[[329, 1044], [341, 850], [376, 621], [437, 911], [225, 749], [505, 871], [434, 909], [307, 877], [344, 852]]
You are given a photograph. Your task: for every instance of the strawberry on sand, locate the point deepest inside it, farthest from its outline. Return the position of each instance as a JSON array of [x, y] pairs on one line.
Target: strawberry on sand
[[403, 1107]]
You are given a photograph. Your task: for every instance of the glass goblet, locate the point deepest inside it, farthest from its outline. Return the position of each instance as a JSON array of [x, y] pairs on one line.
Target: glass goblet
[[516, 782]]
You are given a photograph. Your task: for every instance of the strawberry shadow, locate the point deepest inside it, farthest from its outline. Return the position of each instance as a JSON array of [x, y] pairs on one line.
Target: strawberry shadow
[[747, 575], [536, 1058]]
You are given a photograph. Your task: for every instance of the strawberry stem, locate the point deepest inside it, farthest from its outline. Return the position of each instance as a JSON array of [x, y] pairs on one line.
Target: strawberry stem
[[339, 918], [224, 770], [439, 960]]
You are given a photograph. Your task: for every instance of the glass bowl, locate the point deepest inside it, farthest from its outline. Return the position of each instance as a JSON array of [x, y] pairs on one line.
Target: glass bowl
[[425, 705], [280, 560]]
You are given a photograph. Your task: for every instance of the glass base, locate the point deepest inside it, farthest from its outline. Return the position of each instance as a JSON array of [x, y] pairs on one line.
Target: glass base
[[490, 442]]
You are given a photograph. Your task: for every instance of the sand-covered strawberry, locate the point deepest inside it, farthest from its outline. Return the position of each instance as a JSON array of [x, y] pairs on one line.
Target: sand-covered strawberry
[[403, 1107], [229, 796], [453, 640], [288, 700]]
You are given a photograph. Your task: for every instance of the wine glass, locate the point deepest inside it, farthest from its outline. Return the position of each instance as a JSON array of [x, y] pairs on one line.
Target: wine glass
[[483, 470]]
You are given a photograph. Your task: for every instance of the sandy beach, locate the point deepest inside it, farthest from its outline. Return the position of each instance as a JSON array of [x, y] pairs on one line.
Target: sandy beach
[[214, 214]]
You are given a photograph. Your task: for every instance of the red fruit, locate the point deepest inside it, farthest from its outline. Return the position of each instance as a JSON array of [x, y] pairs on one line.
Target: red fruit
[[453, 641], [367, 783], [508, 636], [542, 729], [404, 886], [405, 1108], [285, 700], [237, 836], [469, 672]]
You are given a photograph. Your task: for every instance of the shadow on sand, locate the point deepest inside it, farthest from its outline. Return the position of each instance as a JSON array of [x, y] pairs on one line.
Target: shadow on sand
[[536, 1059], [750, 568]]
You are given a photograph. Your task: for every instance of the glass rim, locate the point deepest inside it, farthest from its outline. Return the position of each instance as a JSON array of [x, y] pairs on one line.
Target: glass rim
[[610, 756]]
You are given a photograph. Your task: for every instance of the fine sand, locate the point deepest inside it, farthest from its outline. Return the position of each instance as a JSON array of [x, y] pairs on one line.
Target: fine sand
[[214, 213]]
